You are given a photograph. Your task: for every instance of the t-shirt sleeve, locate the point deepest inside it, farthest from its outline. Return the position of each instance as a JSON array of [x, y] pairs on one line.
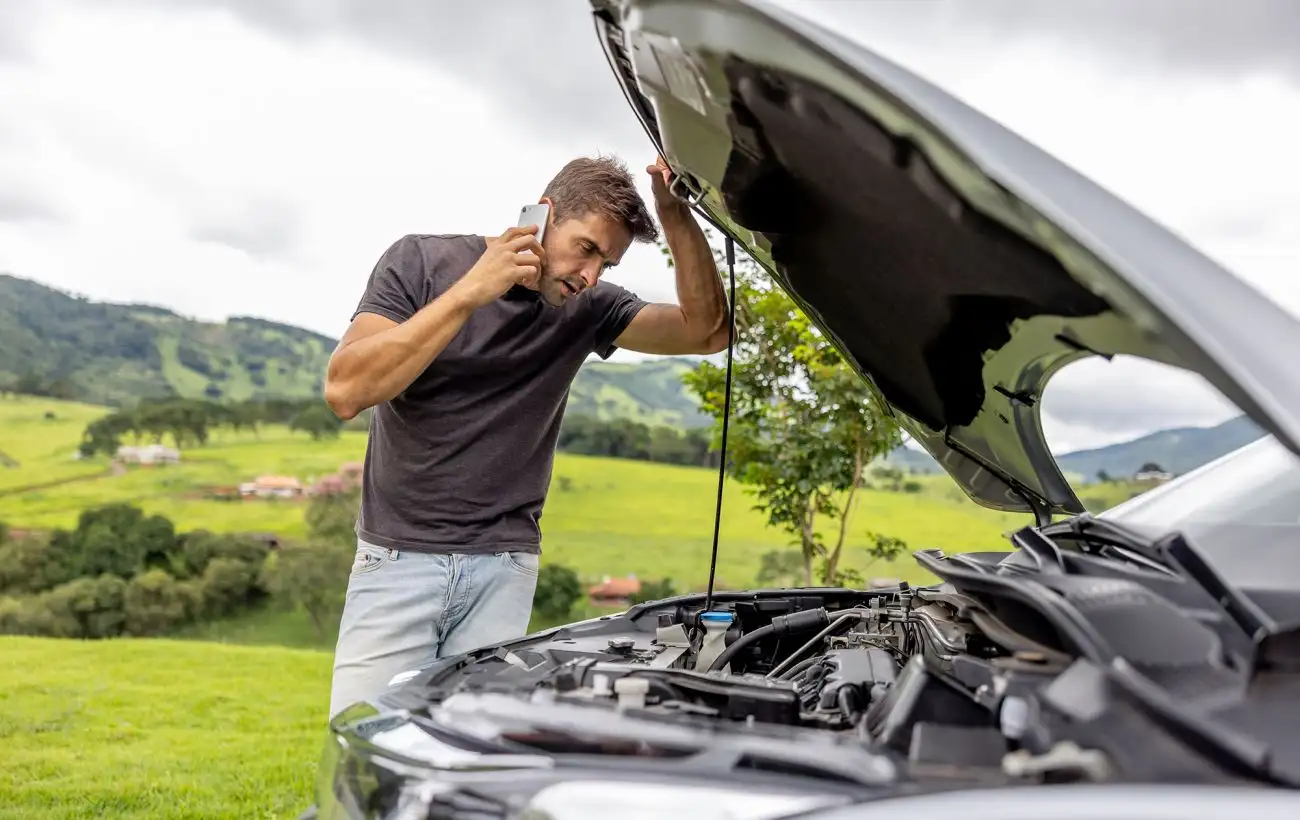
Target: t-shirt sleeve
[[615, 307], [399, 284]]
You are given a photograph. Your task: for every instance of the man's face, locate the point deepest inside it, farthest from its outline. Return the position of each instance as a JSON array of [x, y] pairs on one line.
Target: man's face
[[578, 250]]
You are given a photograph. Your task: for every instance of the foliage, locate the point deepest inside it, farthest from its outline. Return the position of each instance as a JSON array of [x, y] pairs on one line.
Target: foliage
[[653, 591], [623, 438], [803, 424], [558, 589], [191, 422], [312, 576], [122, 572]]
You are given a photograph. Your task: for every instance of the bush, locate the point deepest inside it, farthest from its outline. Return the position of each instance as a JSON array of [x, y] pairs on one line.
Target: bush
[[155, 603], [911, 486], [227, 586], [313, 576], [24, 616], [558, 589], [199, 548], [30, 565], [655, 590], [86, 607]]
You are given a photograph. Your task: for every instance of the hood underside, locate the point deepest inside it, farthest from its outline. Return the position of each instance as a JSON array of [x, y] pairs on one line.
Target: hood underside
[[956, 266]]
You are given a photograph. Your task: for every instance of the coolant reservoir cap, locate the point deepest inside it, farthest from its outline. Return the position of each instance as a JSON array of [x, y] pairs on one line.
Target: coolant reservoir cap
[[716, 618]]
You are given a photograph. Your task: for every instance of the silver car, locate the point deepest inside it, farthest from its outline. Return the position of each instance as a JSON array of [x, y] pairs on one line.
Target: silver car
[[1142, 663]]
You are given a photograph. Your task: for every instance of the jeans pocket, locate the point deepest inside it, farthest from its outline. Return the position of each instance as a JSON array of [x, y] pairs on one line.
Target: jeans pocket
[[522, 561], [369, 559]]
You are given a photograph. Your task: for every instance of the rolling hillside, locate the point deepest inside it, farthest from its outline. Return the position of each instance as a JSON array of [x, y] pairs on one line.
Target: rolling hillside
[[109, 354], [1177, 450], [649, 392], [115, 354]]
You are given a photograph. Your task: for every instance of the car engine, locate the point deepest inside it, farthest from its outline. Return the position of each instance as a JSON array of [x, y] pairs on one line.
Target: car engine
[[1057, 662]]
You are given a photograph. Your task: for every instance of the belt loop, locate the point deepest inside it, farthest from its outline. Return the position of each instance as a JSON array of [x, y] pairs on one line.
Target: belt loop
[[392, 554]]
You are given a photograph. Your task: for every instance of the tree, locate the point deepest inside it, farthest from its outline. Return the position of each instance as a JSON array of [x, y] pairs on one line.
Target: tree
[[803, 424], [317, 421], [557, 591], [313, 576]]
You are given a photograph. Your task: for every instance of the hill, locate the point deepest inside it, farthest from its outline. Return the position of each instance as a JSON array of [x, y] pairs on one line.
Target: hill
[[1177, 450], [67, 346], [650, 392], [105, 353]]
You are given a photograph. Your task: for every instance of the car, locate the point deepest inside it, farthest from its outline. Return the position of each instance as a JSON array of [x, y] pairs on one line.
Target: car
[[1139, 663]]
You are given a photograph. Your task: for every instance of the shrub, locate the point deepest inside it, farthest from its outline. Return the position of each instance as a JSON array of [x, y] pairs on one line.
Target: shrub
[[199, 548], [558, 589], [227, 587], [155, 603], [654, 590], [24, 616], [313, 576], [86, 607]]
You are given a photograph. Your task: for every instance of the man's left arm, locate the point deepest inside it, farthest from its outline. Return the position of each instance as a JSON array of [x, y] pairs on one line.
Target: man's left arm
[[698, 323]]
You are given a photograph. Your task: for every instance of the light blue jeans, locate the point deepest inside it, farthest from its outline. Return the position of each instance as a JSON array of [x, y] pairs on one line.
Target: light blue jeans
[[404, 610]]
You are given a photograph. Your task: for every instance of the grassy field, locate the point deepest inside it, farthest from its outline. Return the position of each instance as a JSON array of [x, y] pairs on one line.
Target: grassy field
[[158, 729], [603, 516]]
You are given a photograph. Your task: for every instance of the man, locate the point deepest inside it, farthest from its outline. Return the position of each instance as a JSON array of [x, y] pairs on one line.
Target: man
[[466, 347]]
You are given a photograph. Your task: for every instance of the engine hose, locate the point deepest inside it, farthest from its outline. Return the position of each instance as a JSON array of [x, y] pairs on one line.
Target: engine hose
[[743, 641], [820, 636], [793, 623], [801, 666]]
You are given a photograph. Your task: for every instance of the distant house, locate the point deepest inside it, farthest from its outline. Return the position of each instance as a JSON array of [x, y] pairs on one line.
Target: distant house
[[272, 486], [148, 455], [614, 591]]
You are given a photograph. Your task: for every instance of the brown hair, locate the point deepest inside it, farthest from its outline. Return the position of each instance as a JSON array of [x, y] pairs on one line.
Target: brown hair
[[601, 185]]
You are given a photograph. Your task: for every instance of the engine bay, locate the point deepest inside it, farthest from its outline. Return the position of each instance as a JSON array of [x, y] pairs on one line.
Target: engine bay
[[1079, 657]]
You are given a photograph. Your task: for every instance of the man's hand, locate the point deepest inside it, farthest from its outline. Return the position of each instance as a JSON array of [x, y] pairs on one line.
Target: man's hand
[[513, 258], [660, 177]]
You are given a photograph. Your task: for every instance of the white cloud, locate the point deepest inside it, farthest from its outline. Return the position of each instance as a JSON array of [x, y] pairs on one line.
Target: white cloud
[[201, 161]]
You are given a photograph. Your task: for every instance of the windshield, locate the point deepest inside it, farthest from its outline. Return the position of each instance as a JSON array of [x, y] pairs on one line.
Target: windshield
[[1242, 512]]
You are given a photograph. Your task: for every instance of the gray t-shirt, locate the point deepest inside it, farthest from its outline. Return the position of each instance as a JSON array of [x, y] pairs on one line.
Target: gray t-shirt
[[461, 460]]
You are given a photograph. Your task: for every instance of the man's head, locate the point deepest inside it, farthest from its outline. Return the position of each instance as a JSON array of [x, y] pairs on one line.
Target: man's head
[[596, 214]]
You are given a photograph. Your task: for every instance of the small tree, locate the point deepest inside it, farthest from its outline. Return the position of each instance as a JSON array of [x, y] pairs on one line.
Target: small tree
[[803, 424], [557, 591], [313, 576]]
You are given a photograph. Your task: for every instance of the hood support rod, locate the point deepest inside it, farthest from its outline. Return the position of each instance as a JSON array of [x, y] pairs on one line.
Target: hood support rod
[[726, 415]]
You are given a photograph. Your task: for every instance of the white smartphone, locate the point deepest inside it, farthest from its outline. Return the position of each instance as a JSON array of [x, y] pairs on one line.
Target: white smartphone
[[535, 214]]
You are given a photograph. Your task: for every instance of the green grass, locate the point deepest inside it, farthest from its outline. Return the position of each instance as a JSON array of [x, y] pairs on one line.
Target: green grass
[[43, 448], [603, 516], [158, 729]]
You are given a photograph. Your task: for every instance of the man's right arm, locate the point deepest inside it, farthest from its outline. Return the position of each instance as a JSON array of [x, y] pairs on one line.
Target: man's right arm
[[378, 357]]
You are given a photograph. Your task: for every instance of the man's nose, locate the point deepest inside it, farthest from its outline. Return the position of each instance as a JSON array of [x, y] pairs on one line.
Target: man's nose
[[591, 275]]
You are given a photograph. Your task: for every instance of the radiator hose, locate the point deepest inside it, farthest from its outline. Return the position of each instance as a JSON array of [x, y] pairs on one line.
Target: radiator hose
[[791, 624]]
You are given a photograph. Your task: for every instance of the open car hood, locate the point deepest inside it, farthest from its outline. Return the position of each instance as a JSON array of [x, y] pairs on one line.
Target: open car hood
[[956, 266]]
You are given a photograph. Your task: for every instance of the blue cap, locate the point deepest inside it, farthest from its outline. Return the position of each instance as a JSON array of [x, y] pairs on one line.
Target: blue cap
[[716, 617]]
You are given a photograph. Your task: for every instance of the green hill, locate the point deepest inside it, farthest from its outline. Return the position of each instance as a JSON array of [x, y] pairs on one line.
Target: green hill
[[650, 392], [66, 346], [114, 354]]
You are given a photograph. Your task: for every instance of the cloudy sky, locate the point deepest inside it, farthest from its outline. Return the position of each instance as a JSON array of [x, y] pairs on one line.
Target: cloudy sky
[[255, 156]]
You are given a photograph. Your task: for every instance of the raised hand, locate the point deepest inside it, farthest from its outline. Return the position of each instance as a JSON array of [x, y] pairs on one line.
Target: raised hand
[[513, 258]]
